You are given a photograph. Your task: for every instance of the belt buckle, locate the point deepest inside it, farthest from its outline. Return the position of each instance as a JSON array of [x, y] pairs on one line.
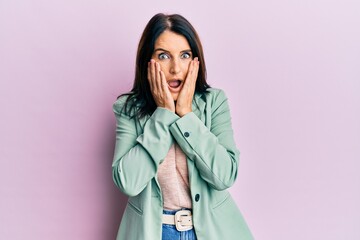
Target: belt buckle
[[179, 221]]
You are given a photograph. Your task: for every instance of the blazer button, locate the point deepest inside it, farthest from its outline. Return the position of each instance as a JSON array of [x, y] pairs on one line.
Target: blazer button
[[197, 197], [186, 134]]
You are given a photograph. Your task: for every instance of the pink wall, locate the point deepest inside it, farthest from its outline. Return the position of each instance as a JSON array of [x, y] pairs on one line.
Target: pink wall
[[291, 70]]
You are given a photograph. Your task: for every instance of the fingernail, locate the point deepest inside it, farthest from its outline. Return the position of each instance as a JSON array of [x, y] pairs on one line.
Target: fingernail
[[152, 60]]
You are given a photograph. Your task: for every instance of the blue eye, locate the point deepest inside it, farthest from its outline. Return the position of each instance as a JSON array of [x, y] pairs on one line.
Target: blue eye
[[163, 56]]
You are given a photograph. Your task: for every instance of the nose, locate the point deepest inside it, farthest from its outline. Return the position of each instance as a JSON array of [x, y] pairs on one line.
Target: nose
[[175, 66]]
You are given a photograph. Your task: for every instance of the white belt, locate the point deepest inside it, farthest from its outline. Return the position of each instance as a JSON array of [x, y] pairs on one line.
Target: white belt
[[182, 220]]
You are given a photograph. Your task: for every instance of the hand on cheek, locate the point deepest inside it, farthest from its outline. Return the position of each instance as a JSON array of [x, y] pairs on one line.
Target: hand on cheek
[[184, 100], [159, 87]]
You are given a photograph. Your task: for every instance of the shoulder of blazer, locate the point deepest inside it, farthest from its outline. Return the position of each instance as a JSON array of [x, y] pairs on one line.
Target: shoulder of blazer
[[214, 97], [119, 104]]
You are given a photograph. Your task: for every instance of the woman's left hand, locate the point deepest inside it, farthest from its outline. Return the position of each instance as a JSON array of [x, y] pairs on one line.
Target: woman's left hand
[[184, 100]]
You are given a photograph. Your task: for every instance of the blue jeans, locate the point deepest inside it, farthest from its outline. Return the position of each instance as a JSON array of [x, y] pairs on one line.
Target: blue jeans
[[169, 232]]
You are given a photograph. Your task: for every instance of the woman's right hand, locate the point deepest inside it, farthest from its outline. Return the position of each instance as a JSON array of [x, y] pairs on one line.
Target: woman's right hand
[[159, 87]]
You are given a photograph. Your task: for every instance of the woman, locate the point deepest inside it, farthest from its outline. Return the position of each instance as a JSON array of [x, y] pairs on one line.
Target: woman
[[175, 154]]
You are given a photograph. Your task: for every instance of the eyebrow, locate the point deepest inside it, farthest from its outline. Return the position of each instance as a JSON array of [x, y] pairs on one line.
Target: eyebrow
[[161, 49]]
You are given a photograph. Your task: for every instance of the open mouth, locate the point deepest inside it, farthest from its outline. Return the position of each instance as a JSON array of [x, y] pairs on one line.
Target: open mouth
[[174, 85]]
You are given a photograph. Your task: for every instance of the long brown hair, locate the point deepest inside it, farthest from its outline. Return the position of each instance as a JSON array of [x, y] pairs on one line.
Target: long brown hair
[[140, 97]]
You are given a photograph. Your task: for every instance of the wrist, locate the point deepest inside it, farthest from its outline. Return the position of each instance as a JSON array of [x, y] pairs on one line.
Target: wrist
[[167, 106], [170, 108], [183, 112]]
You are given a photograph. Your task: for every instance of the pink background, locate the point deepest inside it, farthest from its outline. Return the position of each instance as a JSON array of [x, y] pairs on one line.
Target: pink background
[[291, 70]]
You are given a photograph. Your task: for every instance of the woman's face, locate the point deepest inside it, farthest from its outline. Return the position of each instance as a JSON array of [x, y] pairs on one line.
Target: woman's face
[[172, 51]]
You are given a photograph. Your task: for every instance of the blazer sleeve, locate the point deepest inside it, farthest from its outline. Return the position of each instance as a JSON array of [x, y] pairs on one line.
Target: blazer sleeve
[[213, 149], [137, 157]]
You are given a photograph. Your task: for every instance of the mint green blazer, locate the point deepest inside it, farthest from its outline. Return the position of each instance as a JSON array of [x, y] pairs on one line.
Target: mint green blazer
[[206, 137]]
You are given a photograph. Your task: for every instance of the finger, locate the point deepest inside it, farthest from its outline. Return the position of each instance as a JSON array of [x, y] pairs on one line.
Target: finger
[[149, 75], [196, 70], [164, 85], [157, 76], [192, 76], [148, 70], [152, 71], [188, 79]]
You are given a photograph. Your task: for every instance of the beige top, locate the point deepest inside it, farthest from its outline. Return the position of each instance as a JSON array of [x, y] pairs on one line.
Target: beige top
[[174, 180]]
